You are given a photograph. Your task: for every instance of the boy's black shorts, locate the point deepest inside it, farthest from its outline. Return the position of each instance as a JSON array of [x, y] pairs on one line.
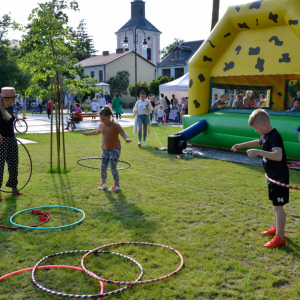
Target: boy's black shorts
[[278, 194]]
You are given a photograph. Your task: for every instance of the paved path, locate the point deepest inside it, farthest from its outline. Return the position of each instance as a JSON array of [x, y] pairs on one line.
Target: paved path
[[39, 123]]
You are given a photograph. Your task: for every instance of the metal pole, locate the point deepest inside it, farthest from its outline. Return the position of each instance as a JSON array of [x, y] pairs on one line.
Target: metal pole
[[51, 135], [135, 48], [62, 124]]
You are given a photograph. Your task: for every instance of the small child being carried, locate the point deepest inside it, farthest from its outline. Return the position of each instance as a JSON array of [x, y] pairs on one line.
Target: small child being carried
[[111, 147]]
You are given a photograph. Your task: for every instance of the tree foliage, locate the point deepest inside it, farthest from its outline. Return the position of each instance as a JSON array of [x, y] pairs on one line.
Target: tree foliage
[[49, 47], [119, 83], [10, 72], [154, 84], [140, 86], [85, 44], [167, 50]]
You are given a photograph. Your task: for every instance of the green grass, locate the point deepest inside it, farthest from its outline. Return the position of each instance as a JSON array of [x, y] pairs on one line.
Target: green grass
[[219, 239]]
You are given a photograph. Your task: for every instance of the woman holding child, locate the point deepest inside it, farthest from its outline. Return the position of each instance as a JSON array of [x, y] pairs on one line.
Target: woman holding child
[[142, 111]]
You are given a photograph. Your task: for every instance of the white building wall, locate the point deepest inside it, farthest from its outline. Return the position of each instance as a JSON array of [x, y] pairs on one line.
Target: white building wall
[[159, 70]]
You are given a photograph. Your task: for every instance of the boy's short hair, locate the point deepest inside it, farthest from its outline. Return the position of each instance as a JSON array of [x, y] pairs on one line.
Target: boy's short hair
[[240, 96], [259, 116], [160, 107]]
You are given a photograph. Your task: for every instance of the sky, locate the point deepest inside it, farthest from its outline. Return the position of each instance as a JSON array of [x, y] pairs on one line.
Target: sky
[[188, 20]]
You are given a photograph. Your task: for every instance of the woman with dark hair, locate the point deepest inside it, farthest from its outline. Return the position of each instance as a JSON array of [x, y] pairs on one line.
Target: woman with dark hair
[[117, 105], [8, 142], [142, 111], [111, 147]]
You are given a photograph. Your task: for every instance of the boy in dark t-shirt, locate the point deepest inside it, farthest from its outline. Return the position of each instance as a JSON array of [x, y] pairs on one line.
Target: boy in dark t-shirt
[[275, 165]]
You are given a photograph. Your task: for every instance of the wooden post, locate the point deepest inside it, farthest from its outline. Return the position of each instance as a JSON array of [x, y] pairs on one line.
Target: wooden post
[[56, 120], [62, 124], [51, 135]]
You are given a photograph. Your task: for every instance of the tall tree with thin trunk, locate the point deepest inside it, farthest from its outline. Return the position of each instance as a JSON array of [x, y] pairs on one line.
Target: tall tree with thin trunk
[[215, 13]]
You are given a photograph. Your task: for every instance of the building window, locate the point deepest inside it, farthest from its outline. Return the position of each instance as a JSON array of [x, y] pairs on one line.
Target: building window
[[92, 74], [149, 54], [166, 72], [100, 75], [179, 72], [177, 54]]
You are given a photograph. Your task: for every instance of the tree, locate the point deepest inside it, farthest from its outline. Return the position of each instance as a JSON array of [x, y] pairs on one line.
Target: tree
[[154, 84], [140, 86], [85, 45], [50, 47], [119, 83], [215, 13], [167, 50], [10, 72], [49, 52]]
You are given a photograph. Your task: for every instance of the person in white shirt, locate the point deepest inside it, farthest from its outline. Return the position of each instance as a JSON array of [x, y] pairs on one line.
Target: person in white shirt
[[94, 105], [142, 111], [101, 101], [162, 101]]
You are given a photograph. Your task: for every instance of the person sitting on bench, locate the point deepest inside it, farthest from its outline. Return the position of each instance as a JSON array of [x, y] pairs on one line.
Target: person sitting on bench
[[74, 120]]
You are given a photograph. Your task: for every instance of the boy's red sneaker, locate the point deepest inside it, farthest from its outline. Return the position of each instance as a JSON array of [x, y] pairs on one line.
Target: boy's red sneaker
[[271, 231], [276, 242]]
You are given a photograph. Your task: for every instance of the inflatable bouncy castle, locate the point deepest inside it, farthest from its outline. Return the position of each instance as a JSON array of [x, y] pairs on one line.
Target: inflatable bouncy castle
[[253, 53]]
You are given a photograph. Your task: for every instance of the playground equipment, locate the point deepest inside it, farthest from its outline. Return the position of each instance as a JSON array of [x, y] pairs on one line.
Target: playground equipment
[[255, 47]]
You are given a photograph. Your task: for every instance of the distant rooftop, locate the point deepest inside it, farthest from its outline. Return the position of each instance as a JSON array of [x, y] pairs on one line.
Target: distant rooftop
[[189, 49]]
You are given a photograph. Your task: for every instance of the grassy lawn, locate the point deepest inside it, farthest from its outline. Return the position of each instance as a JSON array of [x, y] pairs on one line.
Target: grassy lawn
[[219, 238]]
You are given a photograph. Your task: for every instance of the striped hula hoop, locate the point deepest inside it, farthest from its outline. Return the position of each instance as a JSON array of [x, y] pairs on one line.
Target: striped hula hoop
[[130, 283], [82, 296], [30, 170], [288, 186]]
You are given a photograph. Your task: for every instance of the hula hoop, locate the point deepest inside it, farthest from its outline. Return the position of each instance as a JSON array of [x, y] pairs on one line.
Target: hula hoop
[[51, 267], [293, 165], [288, 186], [131, 282], [30, 170], [82, 296], [47, 228], [122, 161], [43, 216]]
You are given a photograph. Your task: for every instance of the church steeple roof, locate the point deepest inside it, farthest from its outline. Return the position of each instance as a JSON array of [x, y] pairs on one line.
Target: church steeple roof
[[138, 19]]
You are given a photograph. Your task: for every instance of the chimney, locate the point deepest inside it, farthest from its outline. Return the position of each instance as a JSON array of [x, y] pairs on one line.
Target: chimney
[[105, 53], [119, 50]]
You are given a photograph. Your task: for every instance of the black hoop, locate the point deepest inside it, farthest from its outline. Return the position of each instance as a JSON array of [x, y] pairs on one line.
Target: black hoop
[[88, 158], [30, 170]]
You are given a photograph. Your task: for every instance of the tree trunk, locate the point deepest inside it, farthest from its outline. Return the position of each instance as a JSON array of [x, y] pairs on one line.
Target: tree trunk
[[215, 13]]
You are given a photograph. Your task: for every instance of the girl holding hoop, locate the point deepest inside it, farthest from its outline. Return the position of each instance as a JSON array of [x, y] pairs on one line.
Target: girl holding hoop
[[111, 147], [8, 142], [142, 111]]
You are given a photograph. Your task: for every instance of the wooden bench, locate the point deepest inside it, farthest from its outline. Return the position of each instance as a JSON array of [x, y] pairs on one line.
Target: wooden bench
[[74, 116]]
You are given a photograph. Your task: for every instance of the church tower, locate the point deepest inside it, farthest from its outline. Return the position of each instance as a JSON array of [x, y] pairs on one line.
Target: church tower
[[139, 21]]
